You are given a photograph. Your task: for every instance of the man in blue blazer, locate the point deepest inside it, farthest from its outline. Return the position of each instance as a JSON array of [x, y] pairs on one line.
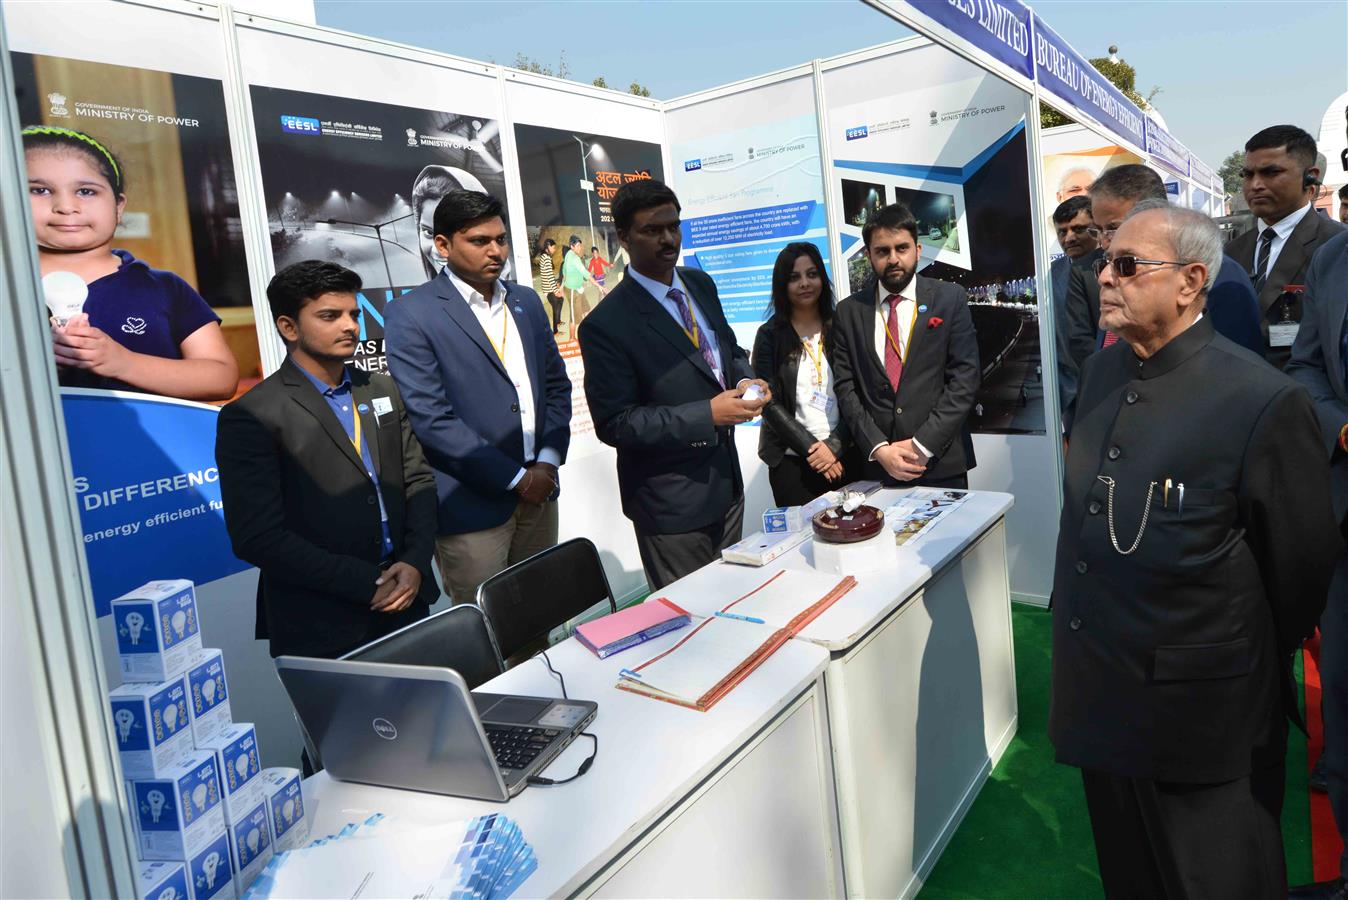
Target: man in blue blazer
[[1319, 357], [487, 394]]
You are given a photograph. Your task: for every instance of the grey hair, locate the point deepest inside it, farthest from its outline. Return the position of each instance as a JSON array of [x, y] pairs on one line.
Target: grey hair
[[1194, 237]]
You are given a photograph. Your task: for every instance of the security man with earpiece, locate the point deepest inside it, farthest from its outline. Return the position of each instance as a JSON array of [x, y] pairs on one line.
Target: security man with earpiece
[[1280, 168]]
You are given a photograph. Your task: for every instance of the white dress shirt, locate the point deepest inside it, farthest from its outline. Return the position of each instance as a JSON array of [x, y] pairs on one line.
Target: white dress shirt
[[818, 422], [661, 294], [499, 325], [906, 312], [1283, 228]]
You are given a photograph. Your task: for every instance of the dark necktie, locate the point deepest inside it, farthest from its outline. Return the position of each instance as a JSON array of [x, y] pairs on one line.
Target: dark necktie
[[893, 361], [1261, 263], [690, 328]]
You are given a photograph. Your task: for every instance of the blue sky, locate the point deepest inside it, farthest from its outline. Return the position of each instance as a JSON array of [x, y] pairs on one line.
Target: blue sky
[[1225, 69]]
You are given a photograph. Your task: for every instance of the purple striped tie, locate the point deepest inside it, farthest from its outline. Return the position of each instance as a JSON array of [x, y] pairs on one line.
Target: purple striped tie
[[690, 326]]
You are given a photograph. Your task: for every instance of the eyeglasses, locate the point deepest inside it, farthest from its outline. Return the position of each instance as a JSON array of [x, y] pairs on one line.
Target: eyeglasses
[[1126, 266], [1080, 230]]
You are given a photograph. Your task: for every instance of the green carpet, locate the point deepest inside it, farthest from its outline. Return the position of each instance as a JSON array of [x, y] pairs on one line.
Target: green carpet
[[1028, 834]]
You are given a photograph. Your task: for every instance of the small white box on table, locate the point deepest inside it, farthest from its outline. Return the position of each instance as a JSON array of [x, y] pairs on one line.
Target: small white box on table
[[158, 632], [208, 696], [153, 734], [236, 756], [180, 812]]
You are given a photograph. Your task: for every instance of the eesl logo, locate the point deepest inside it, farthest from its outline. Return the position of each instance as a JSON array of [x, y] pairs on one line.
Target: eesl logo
[[857, 133], [692, 165], [300, 125]]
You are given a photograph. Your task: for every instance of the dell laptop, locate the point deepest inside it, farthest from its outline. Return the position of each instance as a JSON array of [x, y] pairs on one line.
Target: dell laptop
[[420, 728]]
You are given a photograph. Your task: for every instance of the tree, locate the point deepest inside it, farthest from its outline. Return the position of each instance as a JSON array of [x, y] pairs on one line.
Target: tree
[[529, 64], [1117, 73], [1229, 172]]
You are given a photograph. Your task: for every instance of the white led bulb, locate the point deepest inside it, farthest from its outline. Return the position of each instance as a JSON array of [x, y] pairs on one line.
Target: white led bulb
[[124, 719], [171, 717], [179, 621], [209, 865], [135, 623], [168, 893], [254, 838], [65, 293], [289, 811], [208, 691], [199, 797], [156, 800], [241, 766]]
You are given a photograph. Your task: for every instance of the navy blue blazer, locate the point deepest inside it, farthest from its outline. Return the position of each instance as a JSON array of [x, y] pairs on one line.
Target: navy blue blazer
[[462, 404]]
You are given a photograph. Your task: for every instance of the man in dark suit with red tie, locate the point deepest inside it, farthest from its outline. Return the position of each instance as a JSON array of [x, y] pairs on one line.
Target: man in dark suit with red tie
[[905, 360], [666, 382]]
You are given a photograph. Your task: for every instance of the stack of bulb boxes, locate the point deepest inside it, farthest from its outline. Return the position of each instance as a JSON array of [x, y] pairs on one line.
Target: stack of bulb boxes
[[201, 806]]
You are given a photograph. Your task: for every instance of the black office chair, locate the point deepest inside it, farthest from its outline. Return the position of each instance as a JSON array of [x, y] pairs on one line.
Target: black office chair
[[460, 638], [531, 598]]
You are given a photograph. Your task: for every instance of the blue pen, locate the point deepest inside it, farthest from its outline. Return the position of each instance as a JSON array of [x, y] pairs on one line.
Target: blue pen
[[726, 615], [630, 674]]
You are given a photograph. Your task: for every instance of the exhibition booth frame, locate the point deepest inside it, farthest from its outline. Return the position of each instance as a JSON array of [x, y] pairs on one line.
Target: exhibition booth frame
[[314, 142]]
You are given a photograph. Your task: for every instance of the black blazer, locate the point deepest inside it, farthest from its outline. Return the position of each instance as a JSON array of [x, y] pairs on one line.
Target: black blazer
[[939, 381], [1290, 268], [299, 506], [781, 429], [650, 391], [1174, 663]]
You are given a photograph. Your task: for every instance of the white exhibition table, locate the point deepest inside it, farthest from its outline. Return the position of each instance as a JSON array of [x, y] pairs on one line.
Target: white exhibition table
[[921, 685], [737, 801], [842, 765]]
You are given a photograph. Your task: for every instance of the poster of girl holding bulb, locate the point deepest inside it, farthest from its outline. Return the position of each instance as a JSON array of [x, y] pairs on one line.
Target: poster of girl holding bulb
[[134, 207]]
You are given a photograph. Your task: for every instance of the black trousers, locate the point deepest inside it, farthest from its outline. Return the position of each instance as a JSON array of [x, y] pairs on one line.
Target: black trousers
[[794, 483], [1179, 841], [668, 557], [1334, 699]]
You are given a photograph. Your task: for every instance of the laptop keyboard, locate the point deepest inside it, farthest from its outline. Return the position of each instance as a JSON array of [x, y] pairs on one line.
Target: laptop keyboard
[[516, 746]]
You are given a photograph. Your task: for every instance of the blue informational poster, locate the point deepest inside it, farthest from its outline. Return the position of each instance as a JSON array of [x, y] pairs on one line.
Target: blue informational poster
[[148, 490], [747, 194]]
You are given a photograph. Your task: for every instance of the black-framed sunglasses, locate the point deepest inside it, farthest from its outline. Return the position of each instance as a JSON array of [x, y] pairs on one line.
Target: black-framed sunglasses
[[1126, 266]]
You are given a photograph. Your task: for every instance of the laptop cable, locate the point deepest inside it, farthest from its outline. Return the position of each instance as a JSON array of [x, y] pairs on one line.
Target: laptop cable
[[585, 766]]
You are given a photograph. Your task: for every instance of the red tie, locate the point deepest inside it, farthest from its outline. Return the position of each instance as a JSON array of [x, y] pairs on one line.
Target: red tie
[[893, 362]]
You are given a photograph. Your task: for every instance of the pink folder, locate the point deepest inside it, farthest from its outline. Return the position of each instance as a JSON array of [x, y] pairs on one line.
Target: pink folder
[[617, 627]]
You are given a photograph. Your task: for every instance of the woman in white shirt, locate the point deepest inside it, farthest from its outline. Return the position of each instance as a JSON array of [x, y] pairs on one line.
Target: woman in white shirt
[[803, 439]]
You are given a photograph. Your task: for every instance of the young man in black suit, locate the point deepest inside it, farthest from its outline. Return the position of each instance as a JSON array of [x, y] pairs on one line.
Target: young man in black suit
[[324, 485], [1280, 164], [905, 363], [666, 383]]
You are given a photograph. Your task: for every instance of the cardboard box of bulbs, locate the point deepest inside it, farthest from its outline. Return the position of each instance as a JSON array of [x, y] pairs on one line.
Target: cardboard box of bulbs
[[206, 815]]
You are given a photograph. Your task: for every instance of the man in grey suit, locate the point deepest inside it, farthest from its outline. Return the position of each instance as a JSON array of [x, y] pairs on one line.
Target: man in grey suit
[[1318, 359], [1079, 238], [1280, 165]]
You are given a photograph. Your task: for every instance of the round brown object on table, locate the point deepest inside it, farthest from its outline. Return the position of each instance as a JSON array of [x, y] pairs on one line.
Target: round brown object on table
[[833, 526]]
